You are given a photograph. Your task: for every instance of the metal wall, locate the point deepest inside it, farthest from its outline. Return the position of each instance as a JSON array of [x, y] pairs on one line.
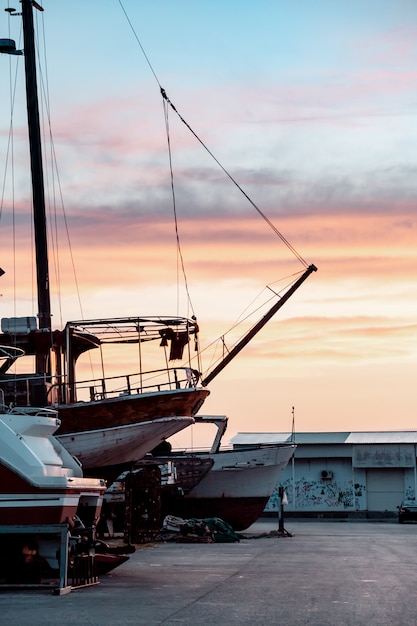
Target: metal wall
[[370, 478], [385, 488]]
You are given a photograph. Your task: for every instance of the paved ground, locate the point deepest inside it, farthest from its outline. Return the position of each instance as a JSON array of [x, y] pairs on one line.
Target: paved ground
[[328, 573]]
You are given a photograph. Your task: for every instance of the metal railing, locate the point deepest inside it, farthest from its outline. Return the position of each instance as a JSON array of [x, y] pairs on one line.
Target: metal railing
[[134, 384], [96, 389]]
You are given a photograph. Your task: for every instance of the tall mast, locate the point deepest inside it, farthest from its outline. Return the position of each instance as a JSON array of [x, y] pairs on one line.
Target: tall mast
[[39, 214]]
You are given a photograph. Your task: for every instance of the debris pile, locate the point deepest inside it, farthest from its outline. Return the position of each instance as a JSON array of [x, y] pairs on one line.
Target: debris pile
[[208, 530]]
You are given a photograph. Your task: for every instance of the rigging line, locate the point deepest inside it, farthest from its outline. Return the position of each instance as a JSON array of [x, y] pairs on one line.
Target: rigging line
[[140, 45], [164, 95], [64, 215], [246, 314], [56, 182], [169, 156], [10, 137], [234, 181], [214, 344], [49, 180], [10, 154], [10, 144], [175, 207]]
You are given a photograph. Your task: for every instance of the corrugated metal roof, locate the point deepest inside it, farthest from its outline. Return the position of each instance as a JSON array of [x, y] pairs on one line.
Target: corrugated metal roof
[[300, 438], [389, 436], [321, 438], [247, 439]]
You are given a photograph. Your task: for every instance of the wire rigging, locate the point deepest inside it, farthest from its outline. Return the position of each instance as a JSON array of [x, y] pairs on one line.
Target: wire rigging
[[231, 178], [261, 213], [181, 258], [243, 318], [10, 158], [39, 28], [166, 110], [56, 183]]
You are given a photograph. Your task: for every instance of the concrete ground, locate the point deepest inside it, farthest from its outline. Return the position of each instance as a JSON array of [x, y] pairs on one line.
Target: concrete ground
[[327, 573]]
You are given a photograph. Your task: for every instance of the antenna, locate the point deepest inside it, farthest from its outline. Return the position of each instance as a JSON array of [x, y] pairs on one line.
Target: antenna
[[293, 426]]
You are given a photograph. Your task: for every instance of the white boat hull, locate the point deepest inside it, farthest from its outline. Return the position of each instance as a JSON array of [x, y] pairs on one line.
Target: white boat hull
[[243, 473], [237, 487], [47, 507], [121, 444], [41, 483]]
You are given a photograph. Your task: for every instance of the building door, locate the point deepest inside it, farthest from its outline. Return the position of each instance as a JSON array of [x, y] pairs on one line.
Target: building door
[[385, 488]]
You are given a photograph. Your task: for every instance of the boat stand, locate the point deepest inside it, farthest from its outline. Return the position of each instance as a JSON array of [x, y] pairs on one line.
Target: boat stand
[[37, 556], [21, 565]]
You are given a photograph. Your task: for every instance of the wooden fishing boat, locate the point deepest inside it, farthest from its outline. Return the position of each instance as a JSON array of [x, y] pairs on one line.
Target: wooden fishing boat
[[237, 486], [119, 417], [233, 484]]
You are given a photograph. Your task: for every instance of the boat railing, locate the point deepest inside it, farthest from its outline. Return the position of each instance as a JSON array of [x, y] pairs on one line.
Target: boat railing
[[134, 384], [34, 411], [29, 390], [33, 390]]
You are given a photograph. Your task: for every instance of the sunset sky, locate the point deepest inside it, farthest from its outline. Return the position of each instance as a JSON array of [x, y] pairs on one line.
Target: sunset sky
[[311, 107]]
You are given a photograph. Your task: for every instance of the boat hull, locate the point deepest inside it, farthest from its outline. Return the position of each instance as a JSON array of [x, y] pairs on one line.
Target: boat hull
[[240, 513], [109, 450], [129, 409], [43, 508], [237, 487], [52, 500], [40, 482], [108, 436]]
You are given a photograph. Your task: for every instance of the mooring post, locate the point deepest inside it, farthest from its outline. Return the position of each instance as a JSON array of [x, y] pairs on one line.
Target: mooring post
[[281, 510], [282, 498]]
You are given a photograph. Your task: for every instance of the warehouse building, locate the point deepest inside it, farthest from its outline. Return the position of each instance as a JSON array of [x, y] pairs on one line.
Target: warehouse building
[[344, 474]]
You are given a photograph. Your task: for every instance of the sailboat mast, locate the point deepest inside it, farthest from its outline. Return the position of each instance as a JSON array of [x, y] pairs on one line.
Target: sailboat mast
[[249, 335], [39, 214]]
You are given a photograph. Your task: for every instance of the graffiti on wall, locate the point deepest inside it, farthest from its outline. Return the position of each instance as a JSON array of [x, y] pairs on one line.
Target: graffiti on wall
[[319, 494], [360, 496], [410, 493]]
